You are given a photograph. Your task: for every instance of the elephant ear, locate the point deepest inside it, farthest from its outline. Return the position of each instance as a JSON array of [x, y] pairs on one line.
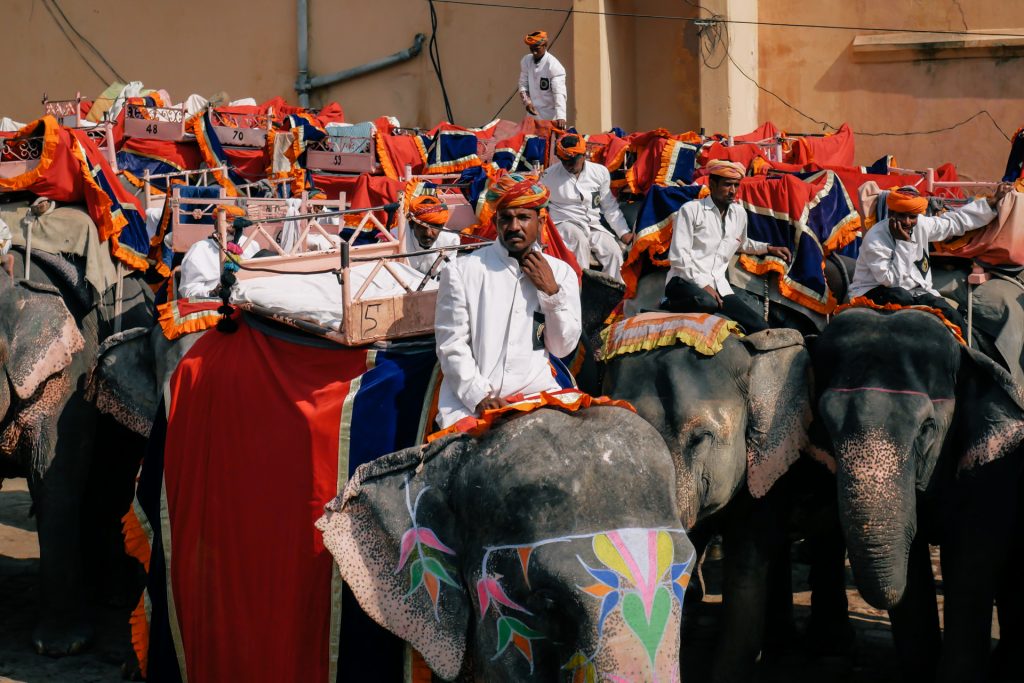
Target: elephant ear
[[392, 533], [45, 340], [779, 405], [123, 384], [990, 410]]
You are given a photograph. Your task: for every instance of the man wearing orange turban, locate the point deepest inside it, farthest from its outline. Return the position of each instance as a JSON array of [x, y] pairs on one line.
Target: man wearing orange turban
[[580, 193], [542, 81], [427, 216], [893, 265], [502, 309], [705, 236]]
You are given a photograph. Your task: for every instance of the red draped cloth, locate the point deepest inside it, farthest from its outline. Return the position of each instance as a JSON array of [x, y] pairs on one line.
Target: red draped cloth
[[250, 576]]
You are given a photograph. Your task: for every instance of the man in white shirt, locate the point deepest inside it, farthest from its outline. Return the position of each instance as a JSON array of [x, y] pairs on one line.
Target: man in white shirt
[[893, 265], [706, 234], [580, 192], [201, 268], [501, 310], [542, 81], [427, 217]]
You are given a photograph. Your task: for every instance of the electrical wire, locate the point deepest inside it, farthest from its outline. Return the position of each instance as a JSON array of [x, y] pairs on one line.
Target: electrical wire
[[73, 45], [86, 41], [435, 60], [568, 14], [779, 24]]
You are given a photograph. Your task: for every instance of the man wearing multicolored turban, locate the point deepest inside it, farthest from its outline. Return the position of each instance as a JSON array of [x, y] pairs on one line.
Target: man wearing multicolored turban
[[706, 234], [502, 309], [542, 81], [893, 265], [580, 193], [427, 216]]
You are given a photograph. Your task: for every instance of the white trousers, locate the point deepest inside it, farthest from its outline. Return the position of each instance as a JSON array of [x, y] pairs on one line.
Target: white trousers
[[582, 241]]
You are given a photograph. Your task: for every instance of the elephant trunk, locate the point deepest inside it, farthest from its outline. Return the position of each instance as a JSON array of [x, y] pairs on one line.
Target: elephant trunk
[[877, 510]]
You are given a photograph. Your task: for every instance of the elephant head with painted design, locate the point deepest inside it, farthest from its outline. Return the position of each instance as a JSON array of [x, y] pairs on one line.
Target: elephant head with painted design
[[549, 547]]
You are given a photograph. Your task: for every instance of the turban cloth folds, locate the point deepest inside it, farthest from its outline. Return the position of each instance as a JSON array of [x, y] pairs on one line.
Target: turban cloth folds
[[536, 38], [726, 169], [428, 210], [906, 202], [513, 191], [570, 146]]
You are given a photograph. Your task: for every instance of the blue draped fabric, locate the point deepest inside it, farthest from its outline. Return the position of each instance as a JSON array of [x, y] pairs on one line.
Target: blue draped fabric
[[1015, 162]]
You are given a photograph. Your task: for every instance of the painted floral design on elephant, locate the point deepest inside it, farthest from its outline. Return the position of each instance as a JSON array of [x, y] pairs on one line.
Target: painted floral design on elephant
[[427, 570]]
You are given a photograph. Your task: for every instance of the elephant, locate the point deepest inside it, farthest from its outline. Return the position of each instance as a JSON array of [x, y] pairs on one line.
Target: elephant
[[735, 422], [924, 435], [50, 333], [547, 547]]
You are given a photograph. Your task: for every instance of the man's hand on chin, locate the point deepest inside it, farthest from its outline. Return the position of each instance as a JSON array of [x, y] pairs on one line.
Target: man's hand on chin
[[537, 268]]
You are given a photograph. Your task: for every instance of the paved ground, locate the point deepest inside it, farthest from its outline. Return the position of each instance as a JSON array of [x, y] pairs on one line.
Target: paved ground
[[873, 659]]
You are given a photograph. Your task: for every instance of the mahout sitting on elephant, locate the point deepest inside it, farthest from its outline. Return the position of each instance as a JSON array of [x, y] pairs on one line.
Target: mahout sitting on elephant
[[548, 545], [924, 434]]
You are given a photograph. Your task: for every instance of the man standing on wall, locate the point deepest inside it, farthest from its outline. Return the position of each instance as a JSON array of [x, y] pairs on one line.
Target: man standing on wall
[[542, 81]]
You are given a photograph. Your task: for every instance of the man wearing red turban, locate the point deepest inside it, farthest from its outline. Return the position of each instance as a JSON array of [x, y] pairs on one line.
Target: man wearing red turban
[[705, 236], [502, 309], [580, 193], [893, 266], [542, 81]]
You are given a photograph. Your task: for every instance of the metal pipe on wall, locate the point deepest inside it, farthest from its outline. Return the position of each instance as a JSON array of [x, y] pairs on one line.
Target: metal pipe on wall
[[304, 84], [302, 23]]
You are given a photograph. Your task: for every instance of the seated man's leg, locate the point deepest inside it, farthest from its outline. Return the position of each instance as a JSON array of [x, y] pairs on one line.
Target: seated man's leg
[[607, 251], [576, 240], [686, 297], [751, 320], [951, 314], [890, 295]]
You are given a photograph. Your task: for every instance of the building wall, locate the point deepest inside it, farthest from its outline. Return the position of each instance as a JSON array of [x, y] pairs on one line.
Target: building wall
[[814, 70], [249, 50]]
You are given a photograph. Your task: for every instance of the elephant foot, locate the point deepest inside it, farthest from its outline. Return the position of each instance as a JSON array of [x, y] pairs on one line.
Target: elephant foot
[[62, 637]]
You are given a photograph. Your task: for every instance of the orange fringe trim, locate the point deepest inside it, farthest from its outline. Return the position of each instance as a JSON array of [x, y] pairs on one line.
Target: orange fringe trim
[[864, 302], [785, 288], [520, 405], [174, 325], [420, 671], [384, 158], [140, 634], [136, 541]]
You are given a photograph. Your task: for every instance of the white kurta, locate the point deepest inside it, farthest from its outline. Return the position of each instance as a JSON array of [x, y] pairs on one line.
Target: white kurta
[[703, 244], [485, 330], [544, 82], [577, 202], [200, 267], [424, 262], [888, 262]]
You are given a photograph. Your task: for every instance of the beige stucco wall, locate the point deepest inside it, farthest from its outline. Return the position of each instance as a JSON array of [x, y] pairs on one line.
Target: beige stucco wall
[[814, 70], [249, 49]]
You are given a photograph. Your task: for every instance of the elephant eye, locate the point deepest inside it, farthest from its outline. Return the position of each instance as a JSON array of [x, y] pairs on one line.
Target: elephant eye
[[699, 437]]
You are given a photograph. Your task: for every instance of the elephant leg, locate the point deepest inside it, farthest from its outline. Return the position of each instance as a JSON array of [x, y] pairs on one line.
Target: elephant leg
[[829, 631], [915, 620], [779, 621], [751, 538], [57, 494], [975, 548], [1008, 658]]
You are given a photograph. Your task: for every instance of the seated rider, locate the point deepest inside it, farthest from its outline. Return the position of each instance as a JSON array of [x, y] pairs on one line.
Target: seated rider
[[893, 266], [706, 235], [501, 310], [201, 268], [427, 217], [580, 192]]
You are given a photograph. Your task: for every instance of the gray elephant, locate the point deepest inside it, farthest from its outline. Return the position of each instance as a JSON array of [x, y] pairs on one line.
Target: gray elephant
[[50, 331], [926, 434], [734, 422], [547, 548]]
